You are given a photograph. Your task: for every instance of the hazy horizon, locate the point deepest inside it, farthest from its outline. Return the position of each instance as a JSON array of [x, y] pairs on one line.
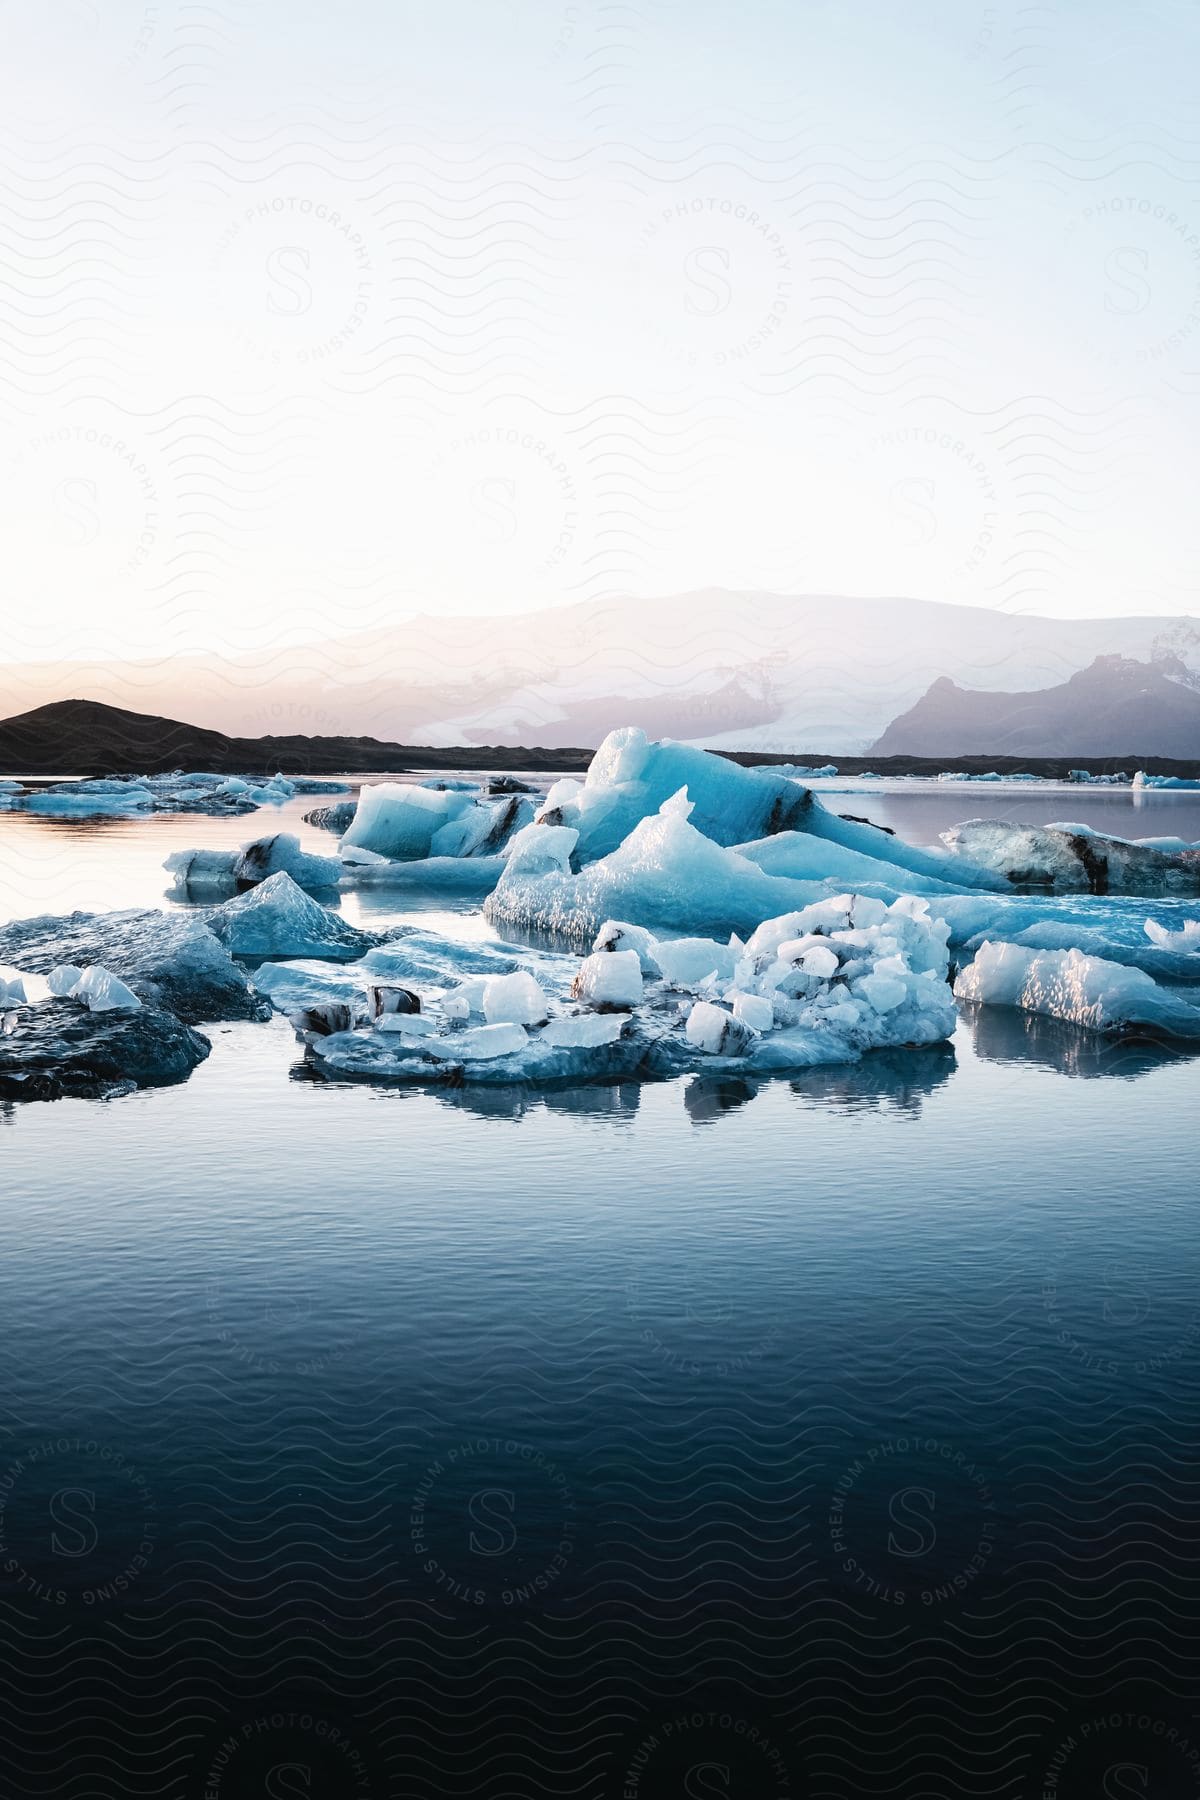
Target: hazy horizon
[[509, 320]]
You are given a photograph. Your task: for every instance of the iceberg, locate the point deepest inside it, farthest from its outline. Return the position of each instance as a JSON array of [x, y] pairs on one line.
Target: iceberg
[[406, 822], [1068, 858], [1142, 781], [665, 875], [278, 919], [169, 960], [61, 1049], [630, 777], [196, 870], [1086, 991]]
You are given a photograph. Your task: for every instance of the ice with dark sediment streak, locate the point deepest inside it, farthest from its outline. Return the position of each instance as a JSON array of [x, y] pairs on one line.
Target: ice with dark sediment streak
[[199, 871], [1074, 859], [169, 960], [1086, 991], [278, 918], [406, 822], [332, 818], [61, 1049], [630, 776], [669, 876]]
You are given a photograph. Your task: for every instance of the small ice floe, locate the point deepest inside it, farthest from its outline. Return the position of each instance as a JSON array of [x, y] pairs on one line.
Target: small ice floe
[[199, 871], [1086, 991], [405, 822]]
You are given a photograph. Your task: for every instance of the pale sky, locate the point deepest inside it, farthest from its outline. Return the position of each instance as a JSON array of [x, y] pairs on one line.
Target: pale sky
[[316, 318]]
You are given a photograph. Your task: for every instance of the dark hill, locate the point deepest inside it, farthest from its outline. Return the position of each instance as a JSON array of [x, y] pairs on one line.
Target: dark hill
[[84, 737], [1115, 707]]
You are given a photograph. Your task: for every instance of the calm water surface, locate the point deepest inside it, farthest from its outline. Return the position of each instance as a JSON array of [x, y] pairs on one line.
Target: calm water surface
[[826, 1437]]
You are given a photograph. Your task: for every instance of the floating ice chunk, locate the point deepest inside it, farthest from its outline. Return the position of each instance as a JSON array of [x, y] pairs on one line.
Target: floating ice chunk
[[463, 874], [807, 856], [101, 991], [796, 771], [210, 870], [481, 1042], [64, 979], [1112, 927], [399, 819], [609, 978], [717, 1032], [1087, 991], [482, 829], [689, 963], [615, 934], [325, 1018], [280, 919], [12, 986], [89, 797], [1070, 858], [292, 986], [268, 855], [469, 993], [583, 1030], [1185, 941], [332, 818], [514, 999], [456, 1006]]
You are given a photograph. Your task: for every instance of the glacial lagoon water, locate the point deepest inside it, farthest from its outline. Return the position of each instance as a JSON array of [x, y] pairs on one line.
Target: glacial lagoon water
[[830, 1436]]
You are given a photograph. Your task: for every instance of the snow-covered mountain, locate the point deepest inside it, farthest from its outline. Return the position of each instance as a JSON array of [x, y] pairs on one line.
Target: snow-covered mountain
[[736, 670], [1116, 707]]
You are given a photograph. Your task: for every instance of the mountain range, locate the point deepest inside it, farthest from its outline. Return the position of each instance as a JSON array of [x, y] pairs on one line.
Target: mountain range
[[746, 671], [1115, 708]]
